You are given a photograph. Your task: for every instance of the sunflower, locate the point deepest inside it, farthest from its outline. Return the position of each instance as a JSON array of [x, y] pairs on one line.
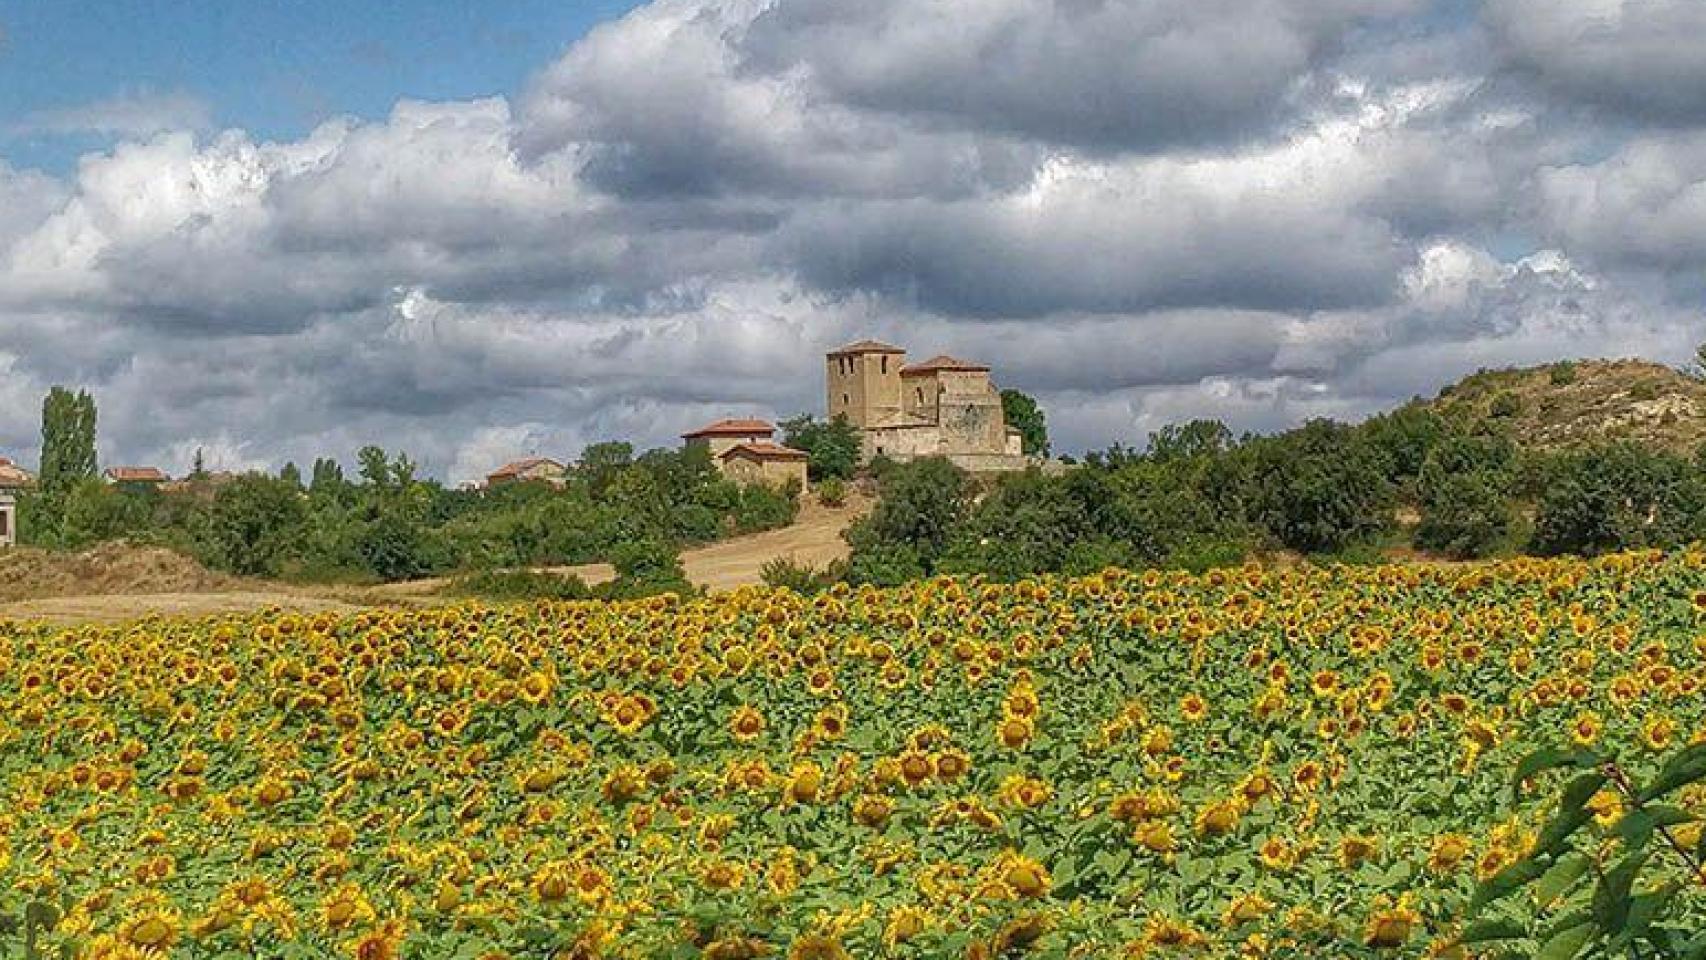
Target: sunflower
[[746, 723], [1390, 924], [345, 907], [1027, 877]]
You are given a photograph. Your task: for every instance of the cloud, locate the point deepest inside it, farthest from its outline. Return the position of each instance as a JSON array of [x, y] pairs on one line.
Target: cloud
[[1622, 57], [1261, 210], [135, 114]]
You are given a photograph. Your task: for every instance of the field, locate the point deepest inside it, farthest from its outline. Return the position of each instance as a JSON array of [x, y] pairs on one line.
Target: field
[[1249, 763]]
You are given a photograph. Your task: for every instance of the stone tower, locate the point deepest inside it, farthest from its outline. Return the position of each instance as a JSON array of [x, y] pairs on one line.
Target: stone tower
[[864, 383]]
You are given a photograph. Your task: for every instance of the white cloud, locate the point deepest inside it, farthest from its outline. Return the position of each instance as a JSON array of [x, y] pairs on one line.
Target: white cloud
[[1256, 209]]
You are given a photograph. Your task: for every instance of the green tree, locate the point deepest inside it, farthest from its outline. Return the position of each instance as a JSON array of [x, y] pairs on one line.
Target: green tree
[[920, 511], [67, 440], [291, 474], [257, 521], [1022, 414], [1464, 492], [1184, 441], [832, 448], [1315, 489], [1618, 496], [647, 567], [327, 479]]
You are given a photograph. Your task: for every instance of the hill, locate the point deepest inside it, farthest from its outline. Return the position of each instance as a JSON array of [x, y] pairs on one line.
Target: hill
[[1584, 401]]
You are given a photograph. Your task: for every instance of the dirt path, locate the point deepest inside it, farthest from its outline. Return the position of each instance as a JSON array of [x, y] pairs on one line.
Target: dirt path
[[814, 538]]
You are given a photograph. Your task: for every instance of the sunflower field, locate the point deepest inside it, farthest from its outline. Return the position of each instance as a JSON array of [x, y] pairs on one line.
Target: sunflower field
[[1246, 763]]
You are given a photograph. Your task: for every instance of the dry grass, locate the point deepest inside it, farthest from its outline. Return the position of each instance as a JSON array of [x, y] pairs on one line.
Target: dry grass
[[1605, 400]]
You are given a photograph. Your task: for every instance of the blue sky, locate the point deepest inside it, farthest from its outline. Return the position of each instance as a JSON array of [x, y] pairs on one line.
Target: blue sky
[[272, 67]]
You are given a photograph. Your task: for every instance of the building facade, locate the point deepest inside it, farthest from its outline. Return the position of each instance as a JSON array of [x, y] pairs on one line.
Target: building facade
[[532, 470], [724, 435], [13, 480], [766, 463], [943, 406], [746, 451]]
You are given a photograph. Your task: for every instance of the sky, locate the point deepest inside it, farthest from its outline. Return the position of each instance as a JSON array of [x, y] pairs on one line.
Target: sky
[[274, 231]]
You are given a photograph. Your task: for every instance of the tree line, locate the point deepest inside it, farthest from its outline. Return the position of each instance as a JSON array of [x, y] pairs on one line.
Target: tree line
[[389, 523], [1197, 496]]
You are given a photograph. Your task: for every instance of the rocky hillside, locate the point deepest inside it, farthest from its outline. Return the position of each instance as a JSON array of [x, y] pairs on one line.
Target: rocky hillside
[[1584, 401]]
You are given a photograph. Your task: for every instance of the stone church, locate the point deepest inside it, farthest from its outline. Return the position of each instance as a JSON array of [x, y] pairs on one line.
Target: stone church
[[940, 407]]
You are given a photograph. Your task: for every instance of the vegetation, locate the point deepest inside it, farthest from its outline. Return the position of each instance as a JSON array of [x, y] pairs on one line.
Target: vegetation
[[507, 586], [390, 524], [1022, 414], [832, 447], [1198, 497], [1309, 763], [1608, 875]]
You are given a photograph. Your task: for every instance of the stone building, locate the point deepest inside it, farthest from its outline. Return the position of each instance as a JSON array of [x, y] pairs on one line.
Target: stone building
[[136, 476], [764, 462], [532, 470], [13, 480], [940, 407], [724, 435], [746, 451]]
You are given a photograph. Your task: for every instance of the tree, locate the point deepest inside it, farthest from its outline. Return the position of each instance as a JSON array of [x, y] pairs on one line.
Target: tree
[[923, 503], [327, 478], [832, 448], [1316, 489], [291, 474], [198, 467], [1464, 492], [1618, 496], [256, 519], [67, 441], [1022, 414], [1187, 441]]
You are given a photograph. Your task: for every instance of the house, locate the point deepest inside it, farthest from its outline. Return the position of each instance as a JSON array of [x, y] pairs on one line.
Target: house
[[13, 479], [724, 435], [150, 477], [531, 470], [943, 406], [764, 462]]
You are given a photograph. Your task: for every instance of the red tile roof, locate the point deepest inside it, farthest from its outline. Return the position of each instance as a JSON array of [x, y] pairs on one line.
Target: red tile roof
[[866, 346], [520, 467], [942, 362], [136, 475], [765, 451], [733, 428], [14, 477]]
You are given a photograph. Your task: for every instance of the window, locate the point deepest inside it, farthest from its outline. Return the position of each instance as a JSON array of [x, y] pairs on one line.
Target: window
[[885, 363], [844, 400], [921, 395]]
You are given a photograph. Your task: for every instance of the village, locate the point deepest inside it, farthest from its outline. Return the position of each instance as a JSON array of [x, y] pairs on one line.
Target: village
[[942, 406]]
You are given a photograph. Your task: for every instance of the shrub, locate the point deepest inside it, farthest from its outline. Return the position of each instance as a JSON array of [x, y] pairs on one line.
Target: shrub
[[1644, 392], [832, 492], [1505, 405], [517, 585], [1562, 374], [802, 578], [1464, 493], [1315, 489], [1616, 497], [646, 568]]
